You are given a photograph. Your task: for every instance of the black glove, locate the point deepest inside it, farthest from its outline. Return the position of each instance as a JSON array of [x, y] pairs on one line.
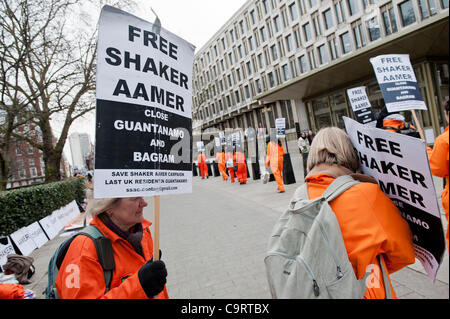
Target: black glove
[[152, 277]]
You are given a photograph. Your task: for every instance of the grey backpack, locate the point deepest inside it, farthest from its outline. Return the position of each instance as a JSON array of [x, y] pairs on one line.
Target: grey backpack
[[307, 258]]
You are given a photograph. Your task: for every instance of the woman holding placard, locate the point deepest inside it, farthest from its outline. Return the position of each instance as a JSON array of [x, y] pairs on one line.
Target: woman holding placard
[[135, 274], [369, 221]]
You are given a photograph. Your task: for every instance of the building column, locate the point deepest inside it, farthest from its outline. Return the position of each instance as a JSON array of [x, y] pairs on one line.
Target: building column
[[429, 99]]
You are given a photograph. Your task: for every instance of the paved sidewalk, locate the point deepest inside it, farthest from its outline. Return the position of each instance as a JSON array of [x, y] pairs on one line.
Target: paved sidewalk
[[214, 242]]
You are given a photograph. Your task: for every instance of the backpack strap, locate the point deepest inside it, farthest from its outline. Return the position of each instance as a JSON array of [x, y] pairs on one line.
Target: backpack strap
[[338, 186], [387, 286]]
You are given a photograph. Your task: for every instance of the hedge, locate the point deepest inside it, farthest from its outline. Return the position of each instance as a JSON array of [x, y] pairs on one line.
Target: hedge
[[22, 207]]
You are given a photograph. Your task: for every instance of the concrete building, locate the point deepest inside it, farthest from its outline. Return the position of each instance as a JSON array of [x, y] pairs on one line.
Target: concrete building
[[296, 59], [80, 148]]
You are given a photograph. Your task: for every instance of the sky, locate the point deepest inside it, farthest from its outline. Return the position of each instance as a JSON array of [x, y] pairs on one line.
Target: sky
[[196, 21]]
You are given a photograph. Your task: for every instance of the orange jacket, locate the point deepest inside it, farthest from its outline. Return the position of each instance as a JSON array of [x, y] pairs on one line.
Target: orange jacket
[[274, 155], [11, 291], [371, 225], [81, 276], [438, 158]]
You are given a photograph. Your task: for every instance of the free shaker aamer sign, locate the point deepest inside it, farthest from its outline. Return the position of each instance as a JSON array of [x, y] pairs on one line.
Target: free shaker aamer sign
[[400, 165], [398, 83], [361, 105], [143, 113]]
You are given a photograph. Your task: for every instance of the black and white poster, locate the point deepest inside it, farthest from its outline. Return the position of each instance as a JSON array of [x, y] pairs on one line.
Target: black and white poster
[[400, 165], [361, 105], [398, 83], [144, 109], [280, 124]]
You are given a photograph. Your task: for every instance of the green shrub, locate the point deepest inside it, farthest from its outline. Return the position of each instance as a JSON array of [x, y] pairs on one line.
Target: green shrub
[[22, 207]]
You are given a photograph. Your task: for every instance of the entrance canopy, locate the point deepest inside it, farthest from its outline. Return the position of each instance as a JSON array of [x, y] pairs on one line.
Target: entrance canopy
[[429, 39]]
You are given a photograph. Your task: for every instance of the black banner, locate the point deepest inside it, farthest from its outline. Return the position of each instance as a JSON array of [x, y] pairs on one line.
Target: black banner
[[130, 136]]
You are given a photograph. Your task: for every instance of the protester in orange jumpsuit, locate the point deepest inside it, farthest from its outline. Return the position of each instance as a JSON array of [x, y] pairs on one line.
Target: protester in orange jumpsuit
[[220, 157], [230, 159], [201, 162], [395, 122], [370, 223], [241, 166], [274, 158], [438, 157], [136, 274]]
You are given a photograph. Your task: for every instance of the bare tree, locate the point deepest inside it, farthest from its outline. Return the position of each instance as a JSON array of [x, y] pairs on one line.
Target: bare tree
[[48, 71]]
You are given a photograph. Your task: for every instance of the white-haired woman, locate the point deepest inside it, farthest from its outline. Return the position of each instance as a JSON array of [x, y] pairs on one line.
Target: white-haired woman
[[135, 275], [370, 223]]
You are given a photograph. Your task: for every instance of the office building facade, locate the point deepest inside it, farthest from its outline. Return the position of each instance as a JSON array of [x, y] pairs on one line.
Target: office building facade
[[296, 59], [80, 149]]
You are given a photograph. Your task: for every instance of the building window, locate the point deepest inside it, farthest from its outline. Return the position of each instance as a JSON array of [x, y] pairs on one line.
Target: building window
[[373, 28], [427, 8], [346, 43], [328, 18], [249, 68], [23, 173], [353, 6], [316, 24], [444, 4], [303, 65], [271, 79], [276, 22], [269, 27], [294, 70], [390, 24], [281, 46], [251, 43], [296, 31], [333, 46], [252, 16], [293, 12], [30, 150], [407, 13], [323, 56], [289, 45], [340, 11], [284, 17], [367, 3], [312, 3], [260, 61], [262, 31], [265, 6], [18, 151], [273, 48], [358, 34], [238, 100], [301, 5], [311, 57], [307, 31], [286, 75]]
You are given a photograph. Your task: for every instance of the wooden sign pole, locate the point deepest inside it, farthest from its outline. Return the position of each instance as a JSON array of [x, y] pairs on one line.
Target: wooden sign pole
[[419, 127], [156, 206]]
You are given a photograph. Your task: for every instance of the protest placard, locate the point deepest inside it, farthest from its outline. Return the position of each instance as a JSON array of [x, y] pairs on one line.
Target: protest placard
[[6, 248], [398, 83], [50, 226], [280, 124], [361, 105], [144, 109], [400, 165], [23, 241], [37, 234], [200, 146]]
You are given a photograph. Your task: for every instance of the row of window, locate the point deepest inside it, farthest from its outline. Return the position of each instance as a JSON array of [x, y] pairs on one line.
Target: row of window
[[335, 46]]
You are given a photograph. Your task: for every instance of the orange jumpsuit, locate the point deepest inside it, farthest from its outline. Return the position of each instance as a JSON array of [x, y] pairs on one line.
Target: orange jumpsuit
[[371, 225], [274, 158], [201, 162], [396, 124], [11, 291], [242, 167], [229, 155], [220, 157], [438, 157], [81, 276]]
